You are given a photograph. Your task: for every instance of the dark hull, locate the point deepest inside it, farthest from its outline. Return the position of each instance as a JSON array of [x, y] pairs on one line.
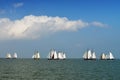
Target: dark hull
[[89, 59]]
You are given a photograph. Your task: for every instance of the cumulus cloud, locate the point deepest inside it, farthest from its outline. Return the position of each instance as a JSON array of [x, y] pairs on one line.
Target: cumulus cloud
[[16, 5], [33, 27]]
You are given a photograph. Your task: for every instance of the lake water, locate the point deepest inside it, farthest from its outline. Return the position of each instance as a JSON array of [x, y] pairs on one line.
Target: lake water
[[70, 69]]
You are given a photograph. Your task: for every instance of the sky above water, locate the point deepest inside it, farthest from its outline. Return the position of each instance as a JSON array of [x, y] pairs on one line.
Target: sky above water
[[72, 26]]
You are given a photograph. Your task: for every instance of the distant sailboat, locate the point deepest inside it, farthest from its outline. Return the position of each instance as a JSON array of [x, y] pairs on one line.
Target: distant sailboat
[[107, 57], [52, 55], [110, 57], [8, 56], [61, 55], [103, 56], [15, 55], [36, 55], [89, 55]]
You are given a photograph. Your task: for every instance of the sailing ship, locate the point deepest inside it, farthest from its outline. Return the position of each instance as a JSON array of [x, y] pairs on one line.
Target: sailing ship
[[36, 56], [8, 56], [110, 56], [14, 55], [103, 56], [61, 55], [53, 55], [89, 55], [107, 57]]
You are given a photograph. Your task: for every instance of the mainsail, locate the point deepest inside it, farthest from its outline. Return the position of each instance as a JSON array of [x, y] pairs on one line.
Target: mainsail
[[64, 56], [52, 54], [8, 56], [103, 56], [111, 55], [89, 54], [15, 55], [93, 55]]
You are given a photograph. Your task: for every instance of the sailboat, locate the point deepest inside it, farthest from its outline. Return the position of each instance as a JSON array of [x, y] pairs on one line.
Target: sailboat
[[103, 56], [110, 57], [14, 55], [89, 55], [8, 56], [52, 55], [61, 55], [36, 55], [107, 57]]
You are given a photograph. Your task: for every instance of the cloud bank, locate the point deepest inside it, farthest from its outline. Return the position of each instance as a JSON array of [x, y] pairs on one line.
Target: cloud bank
[[33, 27]]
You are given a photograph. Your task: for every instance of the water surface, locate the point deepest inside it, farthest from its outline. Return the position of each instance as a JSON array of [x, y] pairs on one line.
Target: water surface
[[70, 69]]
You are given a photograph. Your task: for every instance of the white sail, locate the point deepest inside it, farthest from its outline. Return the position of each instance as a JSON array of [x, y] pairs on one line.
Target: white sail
[[107, 56], [8, 56], [51, 54], [111, 55], [36, 55], [85, 55], [55, 55], [60, 55], [64, 56], [15, 55], [103, 56], [93, 55], [89, 54]]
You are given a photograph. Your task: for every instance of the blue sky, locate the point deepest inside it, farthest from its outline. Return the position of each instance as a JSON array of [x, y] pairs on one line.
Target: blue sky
[[72, 26]]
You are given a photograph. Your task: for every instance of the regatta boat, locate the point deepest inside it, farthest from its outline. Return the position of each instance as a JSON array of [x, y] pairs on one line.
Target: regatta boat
[[89, 55], [36, 56], [103, 56], [8, 56], [52, 55], [110, 56]]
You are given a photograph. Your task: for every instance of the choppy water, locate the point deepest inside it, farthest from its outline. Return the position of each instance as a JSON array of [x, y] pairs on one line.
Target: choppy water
[[71, 69]]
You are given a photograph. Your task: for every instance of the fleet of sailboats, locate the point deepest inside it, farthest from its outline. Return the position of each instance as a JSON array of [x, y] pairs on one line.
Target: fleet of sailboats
[[60, 55], [53, 55], [91, 55], [9, 56]]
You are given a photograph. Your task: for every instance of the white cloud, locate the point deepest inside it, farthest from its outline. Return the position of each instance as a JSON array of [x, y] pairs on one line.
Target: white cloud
[[95, 23], [32, 27], [16, 5]]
